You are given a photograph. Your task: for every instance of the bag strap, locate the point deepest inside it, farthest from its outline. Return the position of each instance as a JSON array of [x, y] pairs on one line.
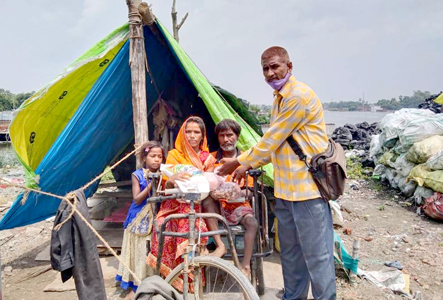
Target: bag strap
[[296, 148]]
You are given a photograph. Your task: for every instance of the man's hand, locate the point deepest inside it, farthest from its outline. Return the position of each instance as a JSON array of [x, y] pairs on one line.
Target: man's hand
[[239, 174], [229, 165]]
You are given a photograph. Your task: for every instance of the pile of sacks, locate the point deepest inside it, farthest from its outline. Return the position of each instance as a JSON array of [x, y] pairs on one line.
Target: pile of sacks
[[357, 139], [409, 155]]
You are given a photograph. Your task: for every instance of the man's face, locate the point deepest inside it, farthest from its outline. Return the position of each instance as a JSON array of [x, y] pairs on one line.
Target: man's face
[[227, 140], [275, 68]]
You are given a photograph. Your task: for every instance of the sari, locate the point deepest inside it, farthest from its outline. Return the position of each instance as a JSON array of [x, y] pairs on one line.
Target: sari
[[174, 247]]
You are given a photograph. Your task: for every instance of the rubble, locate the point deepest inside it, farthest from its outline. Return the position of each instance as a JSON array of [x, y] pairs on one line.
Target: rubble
[[431, 105], [357, 139]]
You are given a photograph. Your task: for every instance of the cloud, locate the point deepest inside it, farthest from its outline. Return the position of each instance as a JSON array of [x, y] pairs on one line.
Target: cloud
[[92, 10]]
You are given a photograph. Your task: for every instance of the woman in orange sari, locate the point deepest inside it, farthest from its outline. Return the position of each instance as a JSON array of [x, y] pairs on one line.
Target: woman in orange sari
[[190, 149]]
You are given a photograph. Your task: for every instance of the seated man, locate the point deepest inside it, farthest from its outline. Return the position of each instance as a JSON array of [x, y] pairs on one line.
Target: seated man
[[228, 132]]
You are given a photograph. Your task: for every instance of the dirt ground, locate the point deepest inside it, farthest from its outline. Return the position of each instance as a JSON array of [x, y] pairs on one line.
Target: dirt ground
[[389, 231]]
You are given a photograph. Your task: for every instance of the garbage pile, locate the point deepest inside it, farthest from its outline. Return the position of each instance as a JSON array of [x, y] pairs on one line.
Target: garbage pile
[[431, 105], [357, 138], [408, 153]]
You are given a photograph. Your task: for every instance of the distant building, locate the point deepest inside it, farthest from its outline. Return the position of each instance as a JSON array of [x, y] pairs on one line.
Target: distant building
[[375, 108], [6, 115]]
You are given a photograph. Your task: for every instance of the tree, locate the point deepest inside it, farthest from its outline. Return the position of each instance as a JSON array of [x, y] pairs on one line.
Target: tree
[[254, 108], [263, 119], [10, 101]]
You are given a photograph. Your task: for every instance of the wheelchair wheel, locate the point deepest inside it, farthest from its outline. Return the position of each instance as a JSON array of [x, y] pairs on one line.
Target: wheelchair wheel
[[214, 278]]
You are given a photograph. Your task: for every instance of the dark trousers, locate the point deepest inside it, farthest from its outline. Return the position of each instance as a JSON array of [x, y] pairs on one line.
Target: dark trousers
[[306, 239]]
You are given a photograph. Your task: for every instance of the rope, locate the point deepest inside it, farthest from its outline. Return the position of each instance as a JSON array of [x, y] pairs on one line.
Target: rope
[[71, 196], [74, 210], [111, 168]]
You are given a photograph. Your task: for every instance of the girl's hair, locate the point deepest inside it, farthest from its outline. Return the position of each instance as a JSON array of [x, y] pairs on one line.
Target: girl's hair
[[201, 124], [146, 147]]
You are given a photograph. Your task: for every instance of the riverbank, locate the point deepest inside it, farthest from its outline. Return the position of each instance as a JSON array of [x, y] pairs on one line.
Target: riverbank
[[374, 213], [340, 118]]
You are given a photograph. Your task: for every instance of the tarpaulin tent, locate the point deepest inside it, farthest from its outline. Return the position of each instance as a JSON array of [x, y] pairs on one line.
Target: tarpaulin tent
[[68, 132]]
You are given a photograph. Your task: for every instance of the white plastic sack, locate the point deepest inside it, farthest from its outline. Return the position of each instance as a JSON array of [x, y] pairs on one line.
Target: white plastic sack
[[379, 169], [421, 193], [390, 176], [420, 152], [419, 130], [403, 166], [376, 146], [393, 124], [409, 188], [435, 162]]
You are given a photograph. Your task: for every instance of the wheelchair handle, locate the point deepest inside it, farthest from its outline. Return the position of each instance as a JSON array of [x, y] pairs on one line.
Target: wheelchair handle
[[160, 198], [254, 172]]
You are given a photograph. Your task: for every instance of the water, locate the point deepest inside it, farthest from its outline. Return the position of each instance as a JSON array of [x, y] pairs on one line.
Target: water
[[340, 118]]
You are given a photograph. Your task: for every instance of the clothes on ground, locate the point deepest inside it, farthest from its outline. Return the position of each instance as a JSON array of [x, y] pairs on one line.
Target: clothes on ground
[[174, 247], [74, 251], [233, 212], [155, 288], [305, 232], [298, 111]]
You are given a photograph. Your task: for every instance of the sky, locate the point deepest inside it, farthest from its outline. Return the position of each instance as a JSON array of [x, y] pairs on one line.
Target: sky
[[343, 49]]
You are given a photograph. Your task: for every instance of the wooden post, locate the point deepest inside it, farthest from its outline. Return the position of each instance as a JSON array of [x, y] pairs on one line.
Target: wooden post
[[175, 27], [145, 11], [137, 62]]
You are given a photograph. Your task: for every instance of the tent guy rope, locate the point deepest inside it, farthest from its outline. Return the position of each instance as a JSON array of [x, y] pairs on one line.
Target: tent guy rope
[[70, 196]]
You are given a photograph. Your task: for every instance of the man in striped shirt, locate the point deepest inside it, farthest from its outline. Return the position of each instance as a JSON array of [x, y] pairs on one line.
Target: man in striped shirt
[[304, 219]]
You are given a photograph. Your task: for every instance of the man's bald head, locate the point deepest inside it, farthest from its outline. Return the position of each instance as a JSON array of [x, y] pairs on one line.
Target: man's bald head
[[276, 51], [275, 63]]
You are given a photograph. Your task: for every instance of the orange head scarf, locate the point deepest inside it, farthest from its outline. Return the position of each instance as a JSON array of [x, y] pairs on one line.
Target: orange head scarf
[[185, 154]]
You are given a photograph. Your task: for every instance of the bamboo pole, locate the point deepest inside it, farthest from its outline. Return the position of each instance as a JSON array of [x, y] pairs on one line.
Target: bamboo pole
[[137, 62]]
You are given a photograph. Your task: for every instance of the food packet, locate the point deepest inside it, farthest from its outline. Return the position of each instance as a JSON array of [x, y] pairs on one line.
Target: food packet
[[214, 180], [227, 190]]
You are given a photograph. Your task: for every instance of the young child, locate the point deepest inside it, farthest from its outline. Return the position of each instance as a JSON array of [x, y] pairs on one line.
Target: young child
[[138, 223]]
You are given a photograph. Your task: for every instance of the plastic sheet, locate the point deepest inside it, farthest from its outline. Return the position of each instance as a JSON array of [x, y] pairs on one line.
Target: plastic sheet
[[434, 207]]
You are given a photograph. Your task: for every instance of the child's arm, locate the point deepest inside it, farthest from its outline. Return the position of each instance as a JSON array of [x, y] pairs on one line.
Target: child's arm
[[137, 195]]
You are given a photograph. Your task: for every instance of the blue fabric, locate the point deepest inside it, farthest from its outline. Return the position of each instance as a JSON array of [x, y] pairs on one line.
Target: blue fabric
[[134, 209], [102, 128], [92, 138], [305, 232], [347, 260], [126, 285]]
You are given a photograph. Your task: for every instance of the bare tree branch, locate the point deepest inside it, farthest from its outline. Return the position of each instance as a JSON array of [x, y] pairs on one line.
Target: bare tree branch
[[183, 20], [175, 27]]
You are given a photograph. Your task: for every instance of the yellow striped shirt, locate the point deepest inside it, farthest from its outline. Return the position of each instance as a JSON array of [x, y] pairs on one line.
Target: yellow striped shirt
[[298, 111]]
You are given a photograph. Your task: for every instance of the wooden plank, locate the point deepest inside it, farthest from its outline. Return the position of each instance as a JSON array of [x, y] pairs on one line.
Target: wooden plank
[[44, 255], [115, 184], [127, 194]]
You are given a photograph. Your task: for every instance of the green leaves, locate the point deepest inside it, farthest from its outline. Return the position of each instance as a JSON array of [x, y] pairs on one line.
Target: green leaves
[[10, 101]]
